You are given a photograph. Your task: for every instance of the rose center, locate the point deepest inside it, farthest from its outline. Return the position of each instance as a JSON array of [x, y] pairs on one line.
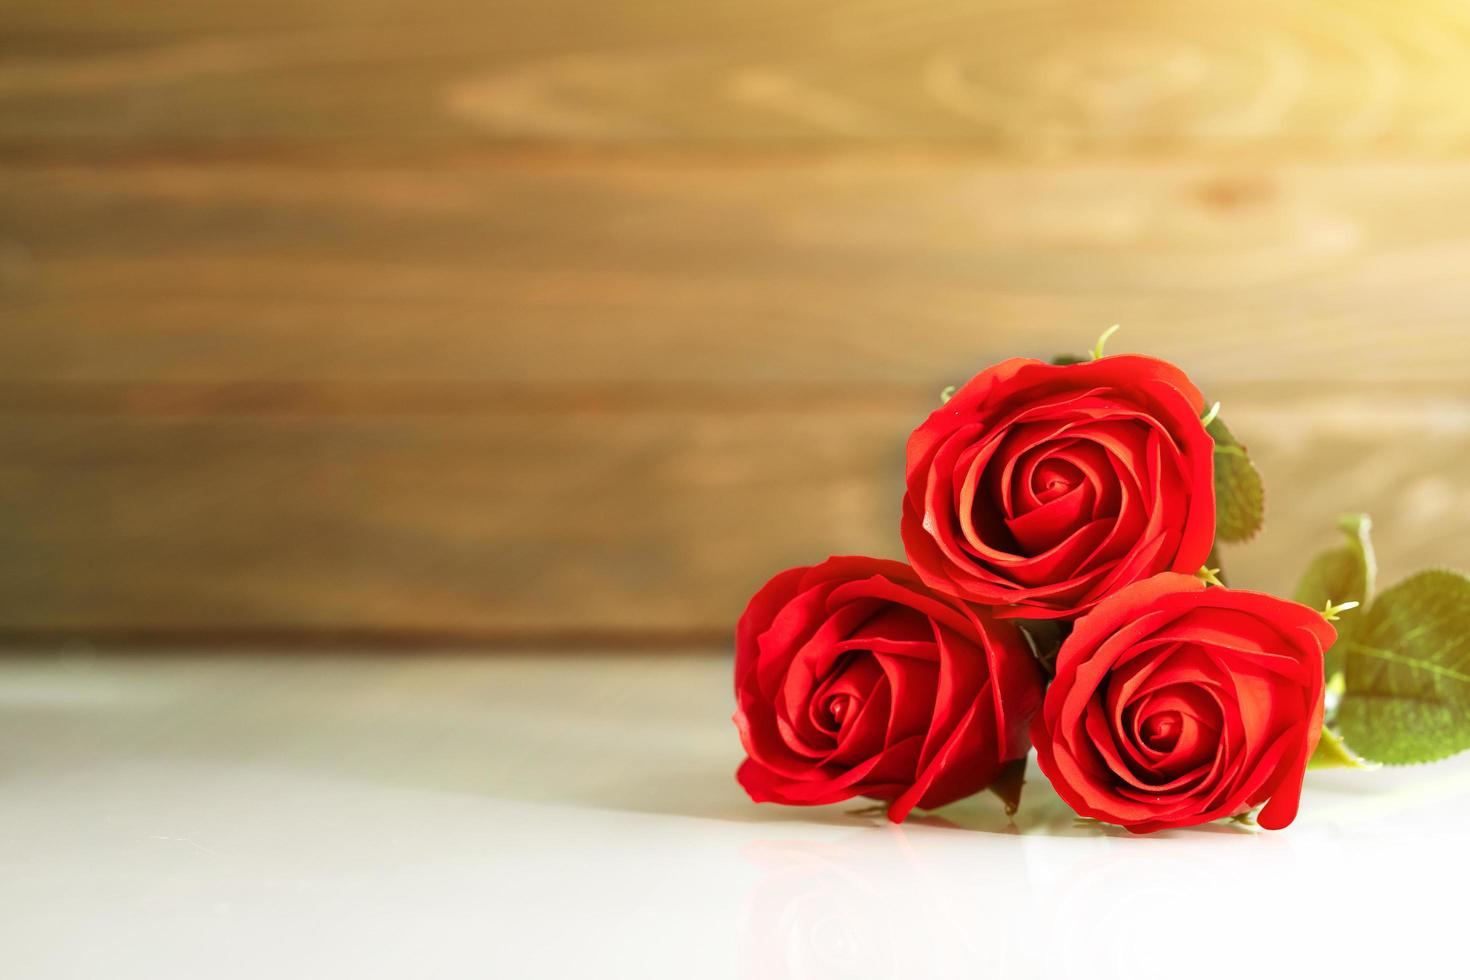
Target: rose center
[[839, 708], [1053, 478], [1161, 731]]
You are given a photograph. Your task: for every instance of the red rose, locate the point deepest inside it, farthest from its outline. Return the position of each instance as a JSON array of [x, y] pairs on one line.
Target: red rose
[[1047, 488], [853, 679], [1174, 705]]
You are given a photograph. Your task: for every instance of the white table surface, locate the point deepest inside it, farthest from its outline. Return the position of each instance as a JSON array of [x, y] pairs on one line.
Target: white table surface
[[544, 815]]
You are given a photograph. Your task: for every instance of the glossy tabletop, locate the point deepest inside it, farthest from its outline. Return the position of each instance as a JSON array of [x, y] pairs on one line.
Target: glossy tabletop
[[558, 815]]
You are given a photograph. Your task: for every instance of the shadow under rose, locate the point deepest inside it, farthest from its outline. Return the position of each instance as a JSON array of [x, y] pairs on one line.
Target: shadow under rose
[[705, 795]]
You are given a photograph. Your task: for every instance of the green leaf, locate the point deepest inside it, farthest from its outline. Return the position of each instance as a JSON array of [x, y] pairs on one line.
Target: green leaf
[[1063, 360], [1407, 672], [1342, 574], [1333, 753], [1240, 497]]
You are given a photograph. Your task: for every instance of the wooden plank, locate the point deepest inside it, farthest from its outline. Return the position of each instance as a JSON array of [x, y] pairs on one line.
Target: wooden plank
[[1036, 79], [574, 318], [532, 395], [501, 523], [519, 271], [611, 521]]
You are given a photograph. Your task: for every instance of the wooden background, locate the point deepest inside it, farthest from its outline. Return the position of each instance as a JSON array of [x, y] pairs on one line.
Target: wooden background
[[570, 321]]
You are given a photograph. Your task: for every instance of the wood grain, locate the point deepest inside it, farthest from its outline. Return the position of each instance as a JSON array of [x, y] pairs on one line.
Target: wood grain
[[1036, 79], [540, 396], [501, 524], [577, 320], [827, 269]]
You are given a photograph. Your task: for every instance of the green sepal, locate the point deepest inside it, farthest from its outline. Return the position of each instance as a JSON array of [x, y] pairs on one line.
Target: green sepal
[[1332, 753]]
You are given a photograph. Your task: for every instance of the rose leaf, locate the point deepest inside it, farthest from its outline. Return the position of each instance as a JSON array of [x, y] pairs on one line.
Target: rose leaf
[[1406, 696], [1240, 497], [1342, 574]]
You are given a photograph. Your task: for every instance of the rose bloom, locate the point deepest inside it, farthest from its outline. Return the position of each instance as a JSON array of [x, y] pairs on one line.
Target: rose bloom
[[1046, 488], [853, 679], [1175, 704]]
